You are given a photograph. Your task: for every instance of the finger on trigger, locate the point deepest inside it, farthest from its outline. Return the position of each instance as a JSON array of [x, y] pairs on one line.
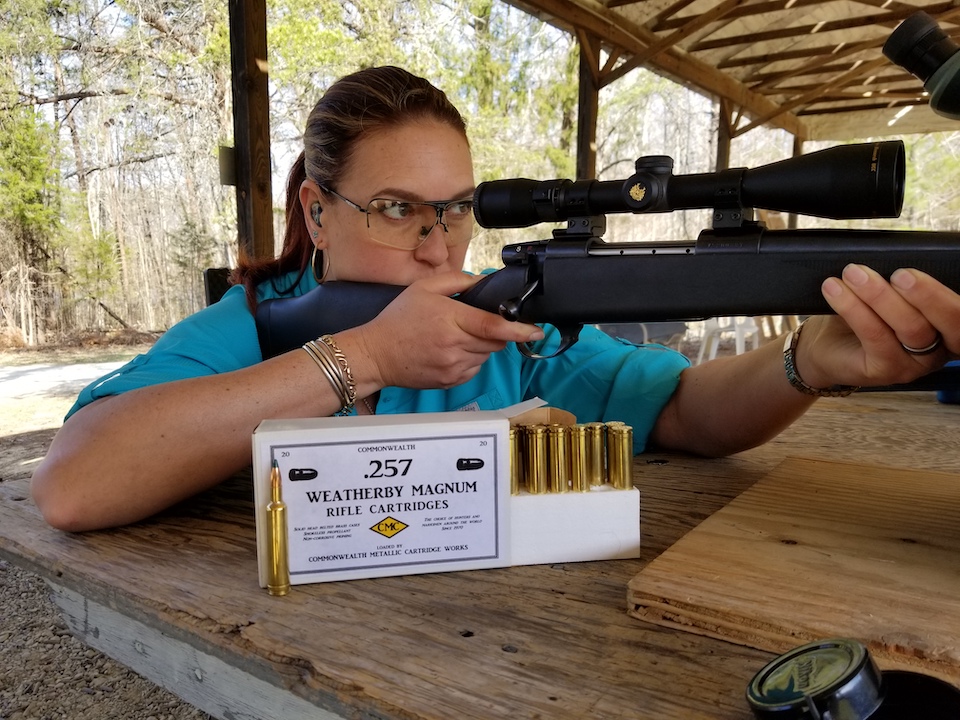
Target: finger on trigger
[[481, 323]]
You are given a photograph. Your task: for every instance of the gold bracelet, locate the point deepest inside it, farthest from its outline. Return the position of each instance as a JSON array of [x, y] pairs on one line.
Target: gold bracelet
[[790, 365], [346, 375], [324, 357], [328, 368]]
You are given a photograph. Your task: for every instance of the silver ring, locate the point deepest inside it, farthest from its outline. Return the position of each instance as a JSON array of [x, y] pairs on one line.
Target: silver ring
[[924, 350]]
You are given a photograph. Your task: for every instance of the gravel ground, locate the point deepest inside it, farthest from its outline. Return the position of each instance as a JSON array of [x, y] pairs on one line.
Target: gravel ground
[[46, 673]]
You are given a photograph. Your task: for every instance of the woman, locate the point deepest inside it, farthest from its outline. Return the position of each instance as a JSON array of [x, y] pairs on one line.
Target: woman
[[179, 419]]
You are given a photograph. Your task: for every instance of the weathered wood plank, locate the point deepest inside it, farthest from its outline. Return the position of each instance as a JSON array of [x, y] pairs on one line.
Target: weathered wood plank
[[541, 641], [905, 430], [206, 682], [822, 549]]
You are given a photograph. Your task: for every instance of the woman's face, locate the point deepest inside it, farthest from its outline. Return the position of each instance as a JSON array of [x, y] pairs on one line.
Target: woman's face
[[418, 161]]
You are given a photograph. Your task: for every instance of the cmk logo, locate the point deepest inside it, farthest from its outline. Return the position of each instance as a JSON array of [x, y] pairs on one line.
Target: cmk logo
[[388, 527]]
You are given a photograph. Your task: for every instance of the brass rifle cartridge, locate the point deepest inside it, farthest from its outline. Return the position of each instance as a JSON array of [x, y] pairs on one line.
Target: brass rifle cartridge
[[620, 455], [579, 482], [278, 568], [558, 454], [596, 453], [516, 461], [537, 469]]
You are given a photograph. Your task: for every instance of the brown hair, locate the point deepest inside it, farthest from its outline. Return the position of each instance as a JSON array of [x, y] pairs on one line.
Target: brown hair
[[356, 105]]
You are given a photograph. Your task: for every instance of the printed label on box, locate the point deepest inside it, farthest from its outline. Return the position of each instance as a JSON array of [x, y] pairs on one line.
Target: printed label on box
[[374, 505]]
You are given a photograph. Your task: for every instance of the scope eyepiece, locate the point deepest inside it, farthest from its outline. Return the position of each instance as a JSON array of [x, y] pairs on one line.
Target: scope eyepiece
[[921, 47]]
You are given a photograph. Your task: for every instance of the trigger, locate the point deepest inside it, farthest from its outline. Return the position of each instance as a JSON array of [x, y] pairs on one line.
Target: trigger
[[568, 336]]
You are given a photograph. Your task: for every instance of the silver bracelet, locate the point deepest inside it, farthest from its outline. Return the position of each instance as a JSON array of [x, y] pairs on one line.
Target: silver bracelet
[[790, 365]]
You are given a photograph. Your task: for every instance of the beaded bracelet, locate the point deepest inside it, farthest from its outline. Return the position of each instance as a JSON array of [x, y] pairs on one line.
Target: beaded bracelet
[[790, 365]]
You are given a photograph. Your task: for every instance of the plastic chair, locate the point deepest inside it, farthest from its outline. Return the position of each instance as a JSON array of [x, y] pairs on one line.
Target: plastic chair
[[744, 329], [642, 333]]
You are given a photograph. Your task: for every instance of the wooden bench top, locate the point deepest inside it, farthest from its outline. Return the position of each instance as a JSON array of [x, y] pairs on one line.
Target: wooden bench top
[[176, 598]]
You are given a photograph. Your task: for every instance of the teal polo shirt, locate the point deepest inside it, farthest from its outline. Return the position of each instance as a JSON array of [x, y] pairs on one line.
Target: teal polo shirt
[[598, 379]]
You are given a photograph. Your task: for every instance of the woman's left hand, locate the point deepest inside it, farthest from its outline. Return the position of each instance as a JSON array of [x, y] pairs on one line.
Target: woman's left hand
[[884, 332]]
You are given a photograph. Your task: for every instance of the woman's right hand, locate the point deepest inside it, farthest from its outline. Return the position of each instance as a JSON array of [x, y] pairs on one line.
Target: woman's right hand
[[425, 339]]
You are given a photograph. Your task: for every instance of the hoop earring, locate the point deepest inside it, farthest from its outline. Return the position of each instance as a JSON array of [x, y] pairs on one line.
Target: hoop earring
[[325, 266]]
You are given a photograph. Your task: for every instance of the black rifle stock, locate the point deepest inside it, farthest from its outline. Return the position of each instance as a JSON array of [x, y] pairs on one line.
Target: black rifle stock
[[571, 283]]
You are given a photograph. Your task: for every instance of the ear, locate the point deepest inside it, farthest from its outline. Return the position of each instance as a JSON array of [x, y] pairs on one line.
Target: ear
[[310, 200]]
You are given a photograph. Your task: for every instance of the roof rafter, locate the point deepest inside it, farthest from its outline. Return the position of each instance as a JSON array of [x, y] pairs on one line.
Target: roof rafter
[[813, 94], [698, 23], [786, 63], [595, 18], [886, 19], [757, 8]]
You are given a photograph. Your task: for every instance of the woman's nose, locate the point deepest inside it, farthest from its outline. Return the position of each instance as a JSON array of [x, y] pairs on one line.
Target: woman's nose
[[434, 249]]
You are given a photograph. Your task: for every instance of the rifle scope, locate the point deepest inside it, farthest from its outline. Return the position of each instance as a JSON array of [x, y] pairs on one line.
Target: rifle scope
[[863, 180]]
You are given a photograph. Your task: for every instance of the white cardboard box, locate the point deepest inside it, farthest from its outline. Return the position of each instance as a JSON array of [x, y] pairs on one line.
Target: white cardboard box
[[382, 495]]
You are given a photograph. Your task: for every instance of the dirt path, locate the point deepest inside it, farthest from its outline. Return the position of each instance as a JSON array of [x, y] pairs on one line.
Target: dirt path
[[44, 671]]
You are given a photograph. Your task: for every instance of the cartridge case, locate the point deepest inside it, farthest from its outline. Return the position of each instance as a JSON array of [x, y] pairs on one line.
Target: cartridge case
[[596, 460], [278, 567], [620, 455], [558, 455], [516, 461], [537, 469], [579, 481]]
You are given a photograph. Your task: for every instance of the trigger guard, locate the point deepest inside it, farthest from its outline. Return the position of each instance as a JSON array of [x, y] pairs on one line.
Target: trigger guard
[[568, 337]]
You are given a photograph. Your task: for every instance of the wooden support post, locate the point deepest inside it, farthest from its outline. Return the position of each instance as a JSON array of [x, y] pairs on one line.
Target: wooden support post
[[724, 120], [797, 150], [589, 102], [251, 127]]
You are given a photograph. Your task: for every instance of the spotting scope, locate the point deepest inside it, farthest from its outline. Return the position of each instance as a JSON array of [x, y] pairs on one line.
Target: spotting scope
[[920, 46]]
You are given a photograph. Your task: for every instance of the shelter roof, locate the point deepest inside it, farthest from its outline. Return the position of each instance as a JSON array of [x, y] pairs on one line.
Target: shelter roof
[[812, 67]]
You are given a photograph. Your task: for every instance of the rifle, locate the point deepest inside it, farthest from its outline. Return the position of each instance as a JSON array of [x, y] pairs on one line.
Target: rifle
[[739, 267]]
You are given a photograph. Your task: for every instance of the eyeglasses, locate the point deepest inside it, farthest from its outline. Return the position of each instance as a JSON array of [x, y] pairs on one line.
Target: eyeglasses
[[406, 224]]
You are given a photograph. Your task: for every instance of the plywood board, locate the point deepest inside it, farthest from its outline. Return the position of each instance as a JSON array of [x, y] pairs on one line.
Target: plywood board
[[822, 549]]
